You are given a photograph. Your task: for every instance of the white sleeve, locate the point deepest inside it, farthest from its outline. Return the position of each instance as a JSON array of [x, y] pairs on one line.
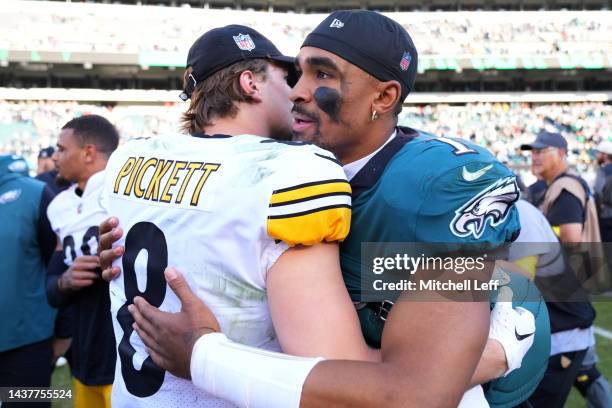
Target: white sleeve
[[534, 239], [54, 213], [247, 376]]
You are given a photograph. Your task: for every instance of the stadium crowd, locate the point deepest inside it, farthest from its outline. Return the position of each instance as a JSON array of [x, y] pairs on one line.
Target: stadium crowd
[[123, 29], [503, 127], [26, 127]]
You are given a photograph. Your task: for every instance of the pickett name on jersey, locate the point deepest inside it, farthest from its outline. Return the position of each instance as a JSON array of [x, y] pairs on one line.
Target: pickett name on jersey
[[163, 180]]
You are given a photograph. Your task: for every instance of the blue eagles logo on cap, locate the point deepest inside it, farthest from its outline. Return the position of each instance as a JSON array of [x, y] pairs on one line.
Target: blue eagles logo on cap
[[244, 42], [405, 62], [492, 205]]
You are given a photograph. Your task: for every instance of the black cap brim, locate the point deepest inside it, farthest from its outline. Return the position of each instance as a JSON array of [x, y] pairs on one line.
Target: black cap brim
[[284, 58], [288, 62], [534, 145]]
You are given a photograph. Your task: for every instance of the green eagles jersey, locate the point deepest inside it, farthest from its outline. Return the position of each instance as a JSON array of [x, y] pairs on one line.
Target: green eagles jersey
[[422, 188]]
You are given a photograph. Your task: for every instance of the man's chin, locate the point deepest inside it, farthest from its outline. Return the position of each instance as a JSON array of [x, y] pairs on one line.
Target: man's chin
[[297, 136], [62, 180]]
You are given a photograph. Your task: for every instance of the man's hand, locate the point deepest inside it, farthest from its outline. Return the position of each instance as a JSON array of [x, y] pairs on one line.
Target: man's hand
[[109, 234], [82, 273], [514, 329], [60, 346], [170, 337]]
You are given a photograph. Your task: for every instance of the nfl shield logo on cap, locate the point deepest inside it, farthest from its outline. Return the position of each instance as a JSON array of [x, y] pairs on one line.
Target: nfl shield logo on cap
[[405, 62], [244, 42]]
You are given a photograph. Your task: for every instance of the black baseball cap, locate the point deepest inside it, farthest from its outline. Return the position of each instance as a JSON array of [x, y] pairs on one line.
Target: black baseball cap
[[375, 43], [46, 152], [221, 47], [546, 139]]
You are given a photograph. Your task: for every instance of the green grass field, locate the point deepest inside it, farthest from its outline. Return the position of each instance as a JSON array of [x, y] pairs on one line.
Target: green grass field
[[61, 380], [61, 376]]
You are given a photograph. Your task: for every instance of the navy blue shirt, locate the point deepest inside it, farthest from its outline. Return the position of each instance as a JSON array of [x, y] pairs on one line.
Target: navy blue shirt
[[566, 209]]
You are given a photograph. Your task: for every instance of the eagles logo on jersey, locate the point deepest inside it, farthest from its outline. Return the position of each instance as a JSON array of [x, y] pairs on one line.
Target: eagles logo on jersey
[[490, 206]]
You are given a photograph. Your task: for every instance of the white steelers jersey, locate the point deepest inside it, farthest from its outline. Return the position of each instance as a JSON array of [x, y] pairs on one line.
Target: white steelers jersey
[[75, 219], [221, 210]]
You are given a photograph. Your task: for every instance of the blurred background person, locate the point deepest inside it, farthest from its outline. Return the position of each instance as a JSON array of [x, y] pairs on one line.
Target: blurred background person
[[45, 160], [540, 256], [603, 189], [568, 203], [84, 146], [47, 172], [570, 209], [27, 243]]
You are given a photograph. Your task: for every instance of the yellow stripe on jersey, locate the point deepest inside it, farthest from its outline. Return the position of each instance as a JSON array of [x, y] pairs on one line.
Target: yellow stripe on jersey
[[529, 264], [331, 223], [305, 191], [557, 230]]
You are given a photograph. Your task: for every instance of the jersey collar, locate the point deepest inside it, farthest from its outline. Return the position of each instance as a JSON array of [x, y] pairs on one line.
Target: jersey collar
[[374, 167], [94, 183], [205, 136], [353, 168]]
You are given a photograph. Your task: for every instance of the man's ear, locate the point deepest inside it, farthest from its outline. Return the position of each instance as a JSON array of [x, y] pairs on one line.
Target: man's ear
[[250, 85], [91, 152], [389, 94]]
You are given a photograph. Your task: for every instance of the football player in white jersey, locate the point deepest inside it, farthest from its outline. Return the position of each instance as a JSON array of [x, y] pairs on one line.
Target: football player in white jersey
[[73, 280], [217, 205]]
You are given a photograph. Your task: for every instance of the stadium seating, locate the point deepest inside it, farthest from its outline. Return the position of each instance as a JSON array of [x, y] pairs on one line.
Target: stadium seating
[[105, 28]]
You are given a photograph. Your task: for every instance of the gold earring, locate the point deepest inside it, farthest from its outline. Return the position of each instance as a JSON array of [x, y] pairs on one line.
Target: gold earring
[[374, 116]]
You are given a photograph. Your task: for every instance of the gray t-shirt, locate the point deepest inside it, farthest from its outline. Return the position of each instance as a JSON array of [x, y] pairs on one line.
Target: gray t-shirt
[[537, 238]]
